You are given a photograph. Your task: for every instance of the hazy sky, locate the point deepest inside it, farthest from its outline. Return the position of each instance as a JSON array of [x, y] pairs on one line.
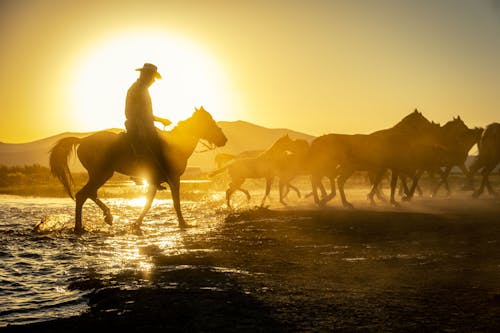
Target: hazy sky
[[312, 66]]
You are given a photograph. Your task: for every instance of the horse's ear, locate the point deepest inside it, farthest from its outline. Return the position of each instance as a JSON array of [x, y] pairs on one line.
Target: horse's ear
[[202, 108], [195, 109]]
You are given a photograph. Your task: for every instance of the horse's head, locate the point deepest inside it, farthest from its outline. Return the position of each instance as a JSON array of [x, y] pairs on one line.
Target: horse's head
[[282, 144], [455, 126], [202, 123]]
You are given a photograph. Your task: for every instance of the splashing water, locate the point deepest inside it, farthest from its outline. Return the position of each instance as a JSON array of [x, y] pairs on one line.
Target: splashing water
[[41, 256]]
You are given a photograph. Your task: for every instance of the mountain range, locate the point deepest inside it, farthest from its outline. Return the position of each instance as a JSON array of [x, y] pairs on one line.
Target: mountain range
[[242, 136]]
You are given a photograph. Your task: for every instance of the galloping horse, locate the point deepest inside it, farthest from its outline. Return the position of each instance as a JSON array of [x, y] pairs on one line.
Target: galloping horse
[[459, 140], [265, 166], [104, 153], [488, 158], [340, 155]]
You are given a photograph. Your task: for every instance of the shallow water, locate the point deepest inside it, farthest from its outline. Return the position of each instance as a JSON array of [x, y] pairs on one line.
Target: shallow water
[[37, 267]]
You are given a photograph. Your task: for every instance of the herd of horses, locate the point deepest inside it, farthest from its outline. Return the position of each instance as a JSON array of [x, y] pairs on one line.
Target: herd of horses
[[413, 146]]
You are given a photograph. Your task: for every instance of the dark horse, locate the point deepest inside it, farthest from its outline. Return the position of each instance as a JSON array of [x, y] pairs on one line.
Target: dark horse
[[488, 158], [104, 153], [398, 148]]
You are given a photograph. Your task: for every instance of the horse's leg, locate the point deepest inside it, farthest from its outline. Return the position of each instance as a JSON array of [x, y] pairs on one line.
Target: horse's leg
[[333, 190], [295, 189], [314, 184], [444, 181], [269, 182], [281, 185], [469, 178], [394, 182], [333, 187], [375, 185], [87, 191], [245, 192], [415, 178], [175, 187], [488, 185], [403, 189], [480, 190], [80, 198], [108, 218], [233, 186], [444, 176], [341, 182], [149, 201]]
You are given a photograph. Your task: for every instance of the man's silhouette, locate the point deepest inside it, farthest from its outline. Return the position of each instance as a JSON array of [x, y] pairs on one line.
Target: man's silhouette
[[140, 122]]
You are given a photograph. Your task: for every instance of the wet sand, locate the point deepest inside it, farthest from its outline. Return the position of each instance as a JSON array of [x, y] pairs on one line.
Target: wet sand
[[433, 265]]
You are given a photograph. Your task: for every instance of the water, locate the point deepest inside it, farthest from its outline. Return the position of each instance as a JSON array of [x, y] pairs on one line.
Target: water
[[36, 267], [368, 250]]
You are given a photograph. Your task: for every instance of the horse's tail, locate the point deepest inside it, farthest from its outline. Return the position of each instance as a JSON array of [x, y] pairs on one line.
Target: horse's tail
[[218, 171], [59, 156]]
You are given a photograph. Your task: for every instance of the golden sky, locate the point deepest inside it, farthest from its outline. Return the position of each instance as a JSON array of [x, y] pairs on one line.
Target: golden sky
[[316, 66]]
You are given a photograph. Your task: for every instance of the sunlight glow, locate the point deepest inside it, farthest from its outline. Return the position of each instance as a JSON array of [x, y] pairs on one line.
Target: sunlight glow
[[191, 78]]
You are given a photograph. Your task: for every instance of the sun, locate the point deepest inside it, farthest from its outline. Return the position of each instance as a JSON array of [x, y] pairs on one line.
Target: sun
[[191, 78]]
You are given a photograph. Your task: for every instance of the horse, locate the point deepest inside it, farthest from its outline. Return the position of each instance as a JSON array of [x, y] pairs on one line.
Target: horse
[[340, 155], [263, 166], [104, 153], [454, 140], [488, 157], [459, 140]]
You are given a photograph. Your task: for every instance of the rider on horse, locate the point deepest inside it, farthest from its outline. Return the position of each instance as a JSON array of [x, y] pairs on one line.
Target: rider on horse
[[140, 123]]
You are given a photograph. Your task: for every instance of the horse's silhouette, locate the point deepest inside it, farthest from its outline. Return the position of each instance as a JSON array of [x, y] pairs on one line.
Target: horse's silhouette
[[458, 140], [488, 158], [398, 148], [104, 153], [266, 166]]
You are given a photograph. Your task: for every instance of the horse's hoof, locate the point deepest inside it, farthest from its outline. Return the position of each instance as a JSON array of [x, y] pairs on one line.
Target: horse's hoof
[[184, 225], [136, 230], [79, 231], [347, 204], [405, 198], [395, 204], [108, 219]]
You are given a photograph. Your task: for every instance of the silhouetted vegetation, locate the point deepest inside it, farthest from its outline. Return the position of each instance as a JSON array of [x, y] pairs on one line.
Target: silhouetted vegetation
[[32, 179]]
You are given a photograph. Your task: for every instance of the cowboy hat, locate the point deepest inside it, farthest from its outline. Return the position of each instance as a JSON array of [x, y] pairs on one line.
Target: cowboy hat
[[150, 68]]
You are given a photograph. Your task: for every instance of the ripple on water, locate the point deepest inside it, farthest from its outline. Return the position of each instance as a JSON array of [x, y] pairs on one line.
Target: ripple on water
[[41, 256]]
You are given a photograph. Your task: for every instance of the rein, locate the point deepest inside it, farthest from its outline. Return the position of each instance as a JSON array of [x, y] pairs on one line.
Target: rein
[[208, 146]]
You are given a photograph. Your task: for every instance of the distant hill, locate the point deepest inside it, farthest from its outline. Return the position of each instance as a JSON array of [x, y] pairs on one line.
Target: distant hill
[[242, 136]]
